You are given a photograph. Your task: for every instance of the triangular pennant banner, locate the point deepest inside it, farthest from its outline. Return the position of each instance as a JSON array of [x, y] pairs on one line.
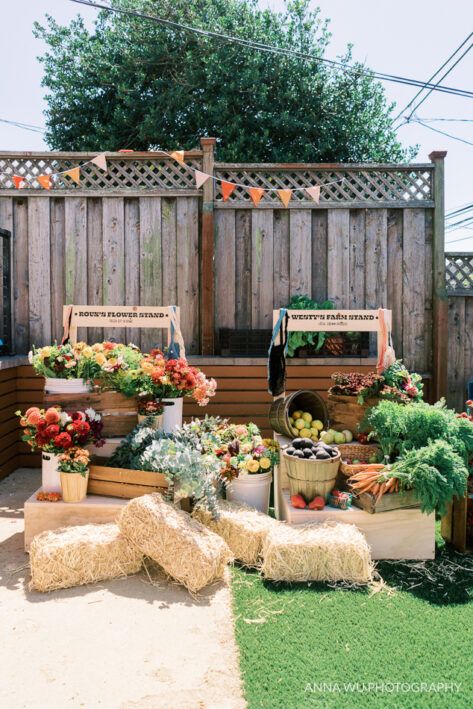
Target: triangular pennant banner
[[285, 196], [74, 174], [178, 155], [45, 181], [256, 194], [18, 181], [200, 178], [227, 189], [314, 192], [100, 161]]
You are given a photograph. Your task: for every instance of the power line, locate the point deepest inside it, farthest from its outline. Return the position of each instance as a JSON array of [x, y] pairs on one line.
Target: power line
[[433, 77], [447, 120], [253, 44], [25, 126], [442, 132], [464, 238]]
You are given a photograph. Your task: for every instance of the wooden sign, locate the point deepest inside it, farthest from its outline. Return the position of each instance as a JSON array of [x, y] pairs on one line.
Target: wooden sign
[[136, 316], [333, 320]]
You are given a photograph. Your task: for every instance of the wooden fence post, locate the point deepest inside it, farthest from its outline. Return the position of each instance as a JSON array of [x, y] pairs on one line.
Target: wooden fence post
[[207, 275], [439, 294]]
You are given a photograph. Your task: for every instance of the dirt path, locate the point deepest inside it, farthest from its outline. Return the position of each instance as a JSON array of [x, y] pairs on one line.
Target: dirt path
[[124, 644]]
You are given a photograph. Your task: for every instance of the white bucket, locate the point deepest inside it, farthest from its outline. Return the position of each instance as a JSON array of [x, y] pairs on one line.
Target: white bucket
[[50, 476], [107, 450], [65, 386], [252, 490], [156, 422], [172, 414]]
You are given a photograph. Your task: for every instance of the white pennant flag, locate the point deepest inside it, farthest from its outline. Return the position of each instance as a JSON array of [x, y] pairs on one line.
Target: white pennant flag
[[100, 161], [200, 178], [314, 192]]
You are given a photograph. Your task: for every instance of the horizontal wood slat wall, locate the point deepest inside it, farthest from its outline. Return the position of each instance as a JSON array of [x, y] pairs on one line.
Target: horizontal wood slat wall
[[359, 258], [102, 250]]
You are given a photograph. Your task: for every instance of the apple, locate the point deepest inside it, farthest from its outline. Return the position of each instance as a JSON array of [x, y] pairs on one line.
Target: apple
[[348, 435], [327, 437], [307, 417], [299, 424], [339, 437], [296, 415], [305, 433], [316, 423]]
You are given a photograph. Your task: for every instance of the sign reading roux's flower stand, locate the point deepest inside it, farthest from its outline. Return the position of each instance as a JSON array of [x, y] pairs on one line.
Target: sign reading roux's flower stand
[[137, 316]]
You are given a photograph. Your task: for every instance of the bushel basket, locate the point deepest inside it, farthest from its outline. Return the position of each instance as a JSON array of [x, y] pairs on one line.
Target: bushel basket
[[305, 400], [311, 478]]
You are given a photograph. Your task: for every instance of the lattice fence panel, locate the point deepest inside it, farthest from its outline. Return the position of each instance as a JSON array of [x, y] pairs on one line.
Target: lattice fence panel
[[409, 184], [138, 174], [459, 273]]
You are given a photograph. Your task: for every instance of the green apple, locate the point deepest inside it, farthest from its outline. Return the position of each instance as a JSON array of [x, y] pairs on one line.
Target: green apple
[[316, 423], [307, 417], [339, 438], [327, 437], [296, 415], [299, 423], [291, 421], [348, 435]]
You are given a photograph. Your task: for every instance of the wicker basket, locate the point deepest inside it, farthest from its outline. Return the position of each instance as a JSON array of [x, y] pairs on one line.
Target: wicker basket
[[311, 477], [357, 451], [348, 469]]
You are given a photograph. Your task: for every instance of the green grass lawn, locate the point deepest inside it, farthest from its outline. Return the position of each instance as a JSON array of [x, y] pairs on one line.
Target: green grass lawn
[[301, 645]]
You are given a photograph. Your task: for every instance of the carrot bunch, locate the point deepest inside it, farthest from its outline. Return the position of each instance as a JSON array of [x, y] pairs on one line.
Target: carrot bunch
[[373, 481]]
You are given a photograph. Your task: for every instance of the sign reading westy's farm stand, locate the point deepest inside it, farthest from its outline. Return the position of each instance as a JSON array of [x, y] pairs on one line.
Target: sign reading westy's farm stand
[[336, 320], [137, 316]]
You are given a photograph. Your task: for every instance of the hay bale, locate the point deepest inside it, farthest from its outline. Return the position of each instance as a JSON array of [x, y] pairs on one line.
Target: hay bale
[[75, 556], [332, 551], [243, 528], [185, 549]]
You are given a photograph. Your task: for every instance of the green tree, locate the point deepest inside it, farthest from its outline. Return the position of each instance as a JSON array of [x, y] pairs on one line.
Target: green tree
[[132, 83]]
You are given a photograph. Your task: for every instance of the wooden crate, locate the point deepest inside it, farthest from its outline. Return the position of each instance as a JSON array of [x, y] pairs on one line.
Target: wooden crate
[[119, 413], [454, 524], [392, 501], [345, 412], [124, 483]]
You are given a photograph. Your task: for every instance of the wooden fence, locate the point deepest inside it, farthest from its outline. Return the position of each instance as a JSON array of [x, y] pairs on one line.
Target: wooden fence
[[142, 234]]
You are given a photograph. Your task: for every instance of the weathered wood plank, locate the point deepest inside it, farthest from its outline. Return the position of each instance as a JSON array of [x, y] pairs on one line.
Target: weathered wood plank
[[39, 271], [132, 263], [376, 258], [319, 256], [300, 237], [428, 292], [243, 268], [456, 356], [76, 254], [21, 324], [95, 261], [113, 258], [281, 258], [169, 240], [414, 289], [357, 259], [57, 210], [6, 222], [151, 277], [188, 271], [225, 269], [394, 276], [467, 337], [262, 269], [338, 256]]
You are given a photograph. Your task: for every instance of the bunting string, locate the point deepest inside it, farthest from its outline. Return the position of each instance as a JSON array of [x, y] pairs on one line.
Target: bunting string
[[227, 187]]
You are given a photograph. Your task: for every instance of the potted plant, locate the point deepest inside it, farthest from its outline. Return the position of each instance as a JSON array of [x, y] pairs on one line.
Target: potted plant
[[66, 368], [247, 465], [74, 471], [169, 381], [151, 409], [54, 431]]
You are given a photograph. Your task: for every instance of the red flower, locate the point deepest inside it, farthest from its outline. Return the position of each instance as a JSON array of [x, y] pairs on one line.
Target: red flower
[[81, 427], [63, 441], [52, 431], [78, 416], [40, 440], [42, 425], [52, 415]]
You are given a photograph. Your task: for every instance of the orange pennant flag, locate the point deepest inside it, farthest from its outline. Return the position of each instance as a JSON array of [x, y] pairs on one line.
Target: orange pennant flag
[[100, 161], [285, 196], [200, 178], [45, 181], [256, 194], [74, 174], [18, 181], [227, 189], [178, 155], [314, 192]]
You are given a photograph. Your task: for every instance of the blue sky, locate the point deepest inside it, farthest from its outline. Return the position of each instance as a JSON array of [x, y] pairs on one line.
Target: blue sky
[[409, 38]]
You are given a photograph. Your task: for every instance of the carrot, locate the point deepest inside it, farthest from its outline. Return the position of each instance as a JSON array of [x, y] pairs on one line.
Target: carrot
[[390, 485], [375, 489], [381, 492]]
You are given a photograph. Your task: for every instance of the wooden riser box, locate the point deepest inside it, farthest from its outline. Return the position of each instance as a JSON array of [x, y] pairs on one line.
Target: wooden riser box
[[119, 413], [124, 483]]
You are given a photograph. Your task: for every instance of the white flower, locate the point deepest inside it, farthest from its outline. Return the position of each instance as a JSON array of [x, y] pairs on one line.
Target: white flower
[[30, 357], [64, 418], [92, 415]]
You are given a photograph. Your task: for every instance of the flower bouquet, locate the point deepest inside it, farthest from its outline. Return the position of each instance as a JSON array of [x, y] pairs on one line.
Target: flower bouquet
[[54, 431], [74, 471], [151, 409]]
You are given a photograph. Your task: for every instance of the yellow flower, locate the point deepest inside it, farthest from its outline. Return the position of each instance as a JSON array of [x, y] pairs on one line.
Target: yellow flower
[[45, 352], [79, 346], [252, 466], [100, 358], [98, 347], [87, 352], [147, 367], [265, 463]]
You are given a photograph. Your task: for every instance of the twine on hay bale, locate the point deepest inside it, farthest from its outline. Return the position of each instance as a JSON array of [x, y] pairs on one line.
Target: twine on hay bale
[[243, 528], [185, 549], [332, 551], [75, 556]]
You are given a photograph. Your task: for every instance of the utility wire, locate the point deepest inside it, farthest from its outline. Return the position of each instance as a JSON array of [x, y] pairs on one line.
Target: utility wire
[[433, 77], [442, 132], [253, 44], [447, 120], [464, 238], [25, 126]]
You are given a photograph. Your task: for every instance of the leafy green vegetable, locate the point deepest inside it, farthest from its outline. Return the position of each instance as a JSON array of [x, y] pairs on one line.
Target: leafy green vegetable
[[436, 473], [304, 339]]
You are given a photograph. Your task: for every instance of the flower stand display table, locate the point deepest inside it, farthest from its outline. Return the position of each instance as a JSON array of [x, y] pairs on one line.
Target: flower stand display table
[[42, 516], [404, 533]]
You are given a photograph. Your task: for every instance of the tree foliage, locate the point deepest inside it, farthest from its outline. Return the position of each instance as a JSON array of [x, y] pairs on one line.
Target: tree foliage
[[132, 83]]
